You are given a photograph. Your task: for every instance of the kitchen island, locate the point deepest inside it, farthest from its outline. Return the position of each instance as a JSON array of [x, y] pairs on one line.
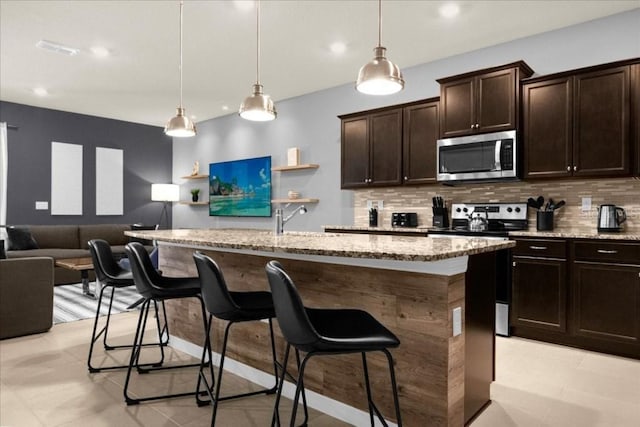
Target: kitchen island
[[411, 284]]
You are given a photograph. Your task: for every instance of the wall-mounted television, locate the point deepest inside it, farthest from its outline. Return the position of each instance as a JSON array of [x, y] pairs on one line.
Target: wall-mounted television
[[240, 187]]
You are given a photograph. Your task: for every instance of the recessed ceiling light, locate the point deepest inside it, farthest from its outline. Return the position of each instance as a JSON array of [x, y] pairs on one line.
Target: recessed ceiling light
[[449, 10], [244, 5], [338, 47], [57, 48], [100, 51], [40, 91], [225, 107]]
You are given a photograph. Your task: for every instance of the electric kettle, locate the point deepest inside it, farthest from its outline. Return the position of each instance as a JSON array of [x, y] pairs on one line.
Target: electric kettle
[[610, 218]]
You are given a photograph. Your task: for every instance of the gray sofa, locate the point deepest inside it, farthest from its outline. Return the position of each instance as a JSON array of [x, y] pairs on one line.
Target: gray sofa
[[26, 296], [70, 241]]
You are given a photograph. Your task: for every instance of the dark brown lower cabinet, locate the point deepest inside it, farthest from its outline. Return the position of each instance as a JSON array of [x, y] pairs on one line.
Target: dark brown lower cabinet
[[606, 302], [540, 293], [591, 300]]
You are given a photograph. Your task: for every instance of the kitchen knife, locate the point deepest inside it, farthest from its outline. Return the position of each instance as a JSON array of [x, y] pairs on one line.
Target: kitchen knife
[[560, 204], [531, 202], [540, 201]]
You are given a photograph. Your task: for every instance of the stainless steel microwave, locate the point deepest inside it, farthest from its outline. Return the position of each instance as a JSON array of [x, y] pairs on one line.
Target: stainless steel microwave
[[488, 156]]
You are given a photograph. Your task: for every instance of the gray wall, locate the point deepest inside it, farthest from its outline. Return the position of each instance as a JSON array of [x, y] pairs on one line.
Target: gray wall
[[147, 159], [310, 123]]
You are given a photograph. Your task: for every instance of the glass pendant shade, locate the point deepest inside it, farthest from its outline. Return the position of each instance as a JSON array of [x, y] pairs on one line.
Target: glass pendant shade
[[180, 125], [258, 107], [380, 76]]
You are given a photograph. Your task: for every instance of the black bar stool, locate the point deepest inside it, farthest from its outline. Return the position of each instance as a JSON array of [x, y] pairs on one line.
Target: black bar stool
[[111, 275], [156, 288], [328, 332], [234, 307]]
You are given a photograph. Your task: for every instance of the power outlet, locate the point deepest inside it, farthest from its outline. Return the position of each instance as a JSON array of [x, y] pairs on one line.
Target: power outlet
[[586, 204], [369, 204], [457, 321], [380, 205]]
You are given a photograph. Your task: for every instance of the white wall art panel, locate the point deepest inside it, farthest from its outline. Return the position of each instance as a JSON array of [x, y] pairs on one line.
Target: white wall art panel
[[66, 179], [109, 181]]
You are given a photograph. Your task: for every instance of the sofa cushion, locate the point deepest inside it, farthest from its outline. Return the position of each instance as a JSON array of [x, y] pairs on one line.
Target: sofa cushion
[[50, 252], [112, 233], [20, 238], [56, 236]]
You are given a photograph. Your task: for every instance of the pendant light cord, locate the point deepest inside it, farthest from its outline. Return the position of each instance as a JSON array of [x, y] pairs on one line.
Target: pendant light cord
[[181, 4], [379, 23], [258, 42]]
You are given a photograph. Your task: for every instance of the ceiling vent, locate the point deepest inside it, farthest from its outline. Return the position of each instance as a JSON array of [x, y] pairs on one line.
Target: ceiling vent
[[57, 48]]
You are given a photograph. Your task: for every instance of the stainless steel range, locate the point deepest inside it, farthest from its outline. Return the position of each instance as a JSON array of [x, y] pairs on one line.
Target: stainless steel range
[[498, 220]]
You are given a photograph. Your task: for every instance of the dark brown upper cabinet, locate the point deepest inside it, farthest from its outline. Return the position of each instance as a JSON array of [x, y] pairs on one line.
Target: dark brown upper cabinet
[[390, 146], [481, 101], [635, 114], [420, 136], [371, 149], [578, 123]]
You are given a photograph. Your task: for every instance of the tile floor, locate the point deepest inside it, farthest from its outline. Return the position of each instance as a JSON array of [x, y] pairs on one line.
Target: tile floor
[[44, 382]]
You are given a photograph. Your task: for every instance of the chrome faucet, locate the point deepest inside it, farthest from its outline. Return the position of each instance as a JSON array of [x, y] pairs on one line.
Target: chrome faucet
[[281, 221]]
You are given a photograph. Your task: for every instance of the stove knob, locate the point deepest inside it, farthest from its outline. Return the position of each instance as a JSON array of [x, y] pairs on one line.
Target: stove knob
[[518, 210], [458, 210], [465, 210], [509, 210]]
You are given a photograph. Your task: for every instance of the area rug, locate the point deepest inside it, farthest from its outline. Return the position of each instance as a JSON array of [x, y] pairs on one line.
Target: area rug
[[69, 304]]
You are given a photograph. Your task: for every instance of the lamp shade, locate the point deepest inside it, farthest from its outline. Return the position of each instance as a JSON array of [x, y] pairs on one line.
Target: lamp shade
[[379, 76], [180, 125], [258, 107], [165, 192]]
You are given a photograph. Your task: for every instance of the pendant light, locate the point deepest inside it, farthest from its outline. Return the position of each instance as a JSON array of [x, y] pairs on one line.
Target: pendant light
[[180, 125], [380, 76], [258, 107]]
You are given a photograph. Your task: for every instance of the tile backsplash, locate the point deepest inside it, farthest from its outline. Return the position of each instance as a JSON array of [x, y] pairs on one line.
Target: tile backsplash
[[623, 192]]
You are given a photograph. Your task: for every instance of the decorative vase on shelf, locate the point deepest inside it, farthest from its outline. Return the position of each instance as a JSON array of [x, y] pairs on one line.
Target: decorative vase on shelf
[[194, 195]]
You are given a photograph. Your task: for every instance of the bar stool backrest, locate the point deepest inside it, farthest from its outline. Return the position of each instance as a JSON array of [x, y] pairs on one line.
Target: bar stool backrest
[[144, 274], [104, 263], [215, 292], [291, 313]]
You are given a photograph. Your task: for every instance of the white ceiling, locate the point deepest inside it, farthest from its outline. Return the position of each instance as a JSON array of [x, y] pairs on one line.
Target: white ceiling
[[139, 81]]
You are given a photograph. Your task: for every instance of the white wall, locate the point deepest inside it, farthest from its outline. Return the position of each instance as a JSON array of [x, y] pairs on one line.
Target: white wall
[[310, 123]]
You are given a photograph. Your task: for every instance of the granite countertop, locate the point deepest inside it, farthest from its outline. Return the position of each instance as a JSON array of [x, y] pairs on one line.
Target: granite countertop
[[399, 248], [566, 233], [576, 233], [417, 230]]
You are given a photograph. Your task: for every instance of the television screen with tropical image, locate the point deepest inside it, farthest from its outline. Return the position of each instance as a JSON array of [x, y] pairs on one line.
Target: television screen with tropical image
[[240, 187]]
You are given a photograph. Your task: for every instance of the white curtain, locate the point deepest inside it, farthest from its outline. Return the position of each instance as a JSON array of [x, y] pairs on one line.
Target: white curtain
[[4, 162]]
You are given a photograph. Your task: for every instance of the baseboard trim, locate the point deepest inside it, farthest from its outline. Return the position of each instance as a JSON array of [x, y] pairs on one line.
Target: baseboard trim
[[324, 404]]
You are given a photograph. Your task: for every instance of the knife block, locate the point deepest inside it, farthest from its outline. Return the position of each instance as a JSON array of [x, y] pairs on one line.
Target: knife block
[[441, 217]]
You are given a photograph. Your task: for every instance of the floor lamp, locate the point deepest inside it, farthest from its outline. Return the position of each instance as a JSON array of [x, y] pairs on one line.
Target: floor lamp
[[165, 193]]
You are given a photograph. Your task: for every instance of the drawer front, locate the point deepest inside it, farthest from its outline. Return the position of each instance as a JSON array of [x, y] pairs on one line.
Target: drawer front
[[543, 248], [612, 252]]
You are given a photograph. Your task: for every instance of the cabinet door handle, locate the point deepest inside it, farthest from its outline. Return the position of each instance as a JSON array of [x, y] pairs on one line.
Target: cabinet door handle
[[514, 264], [538, 248], [568, 168], [575, 168], [606, 251], [473, 126], [406, 178]]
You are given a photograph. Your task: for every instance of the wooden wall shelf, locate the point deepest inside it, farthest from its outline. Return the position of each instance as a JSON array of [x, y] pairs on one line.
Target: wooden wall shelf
[[199, 176], [293, 168], [294, 201], [194, 203]]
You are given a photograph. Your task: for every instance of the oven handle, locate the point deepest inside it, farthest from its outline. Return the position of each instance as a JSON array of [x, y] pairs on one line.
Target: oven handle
[[538, 248]]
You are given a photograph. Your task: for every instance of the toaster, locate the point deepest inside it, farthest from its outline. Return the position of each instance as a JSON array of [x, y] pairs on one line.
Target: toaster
[[404, 219]]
